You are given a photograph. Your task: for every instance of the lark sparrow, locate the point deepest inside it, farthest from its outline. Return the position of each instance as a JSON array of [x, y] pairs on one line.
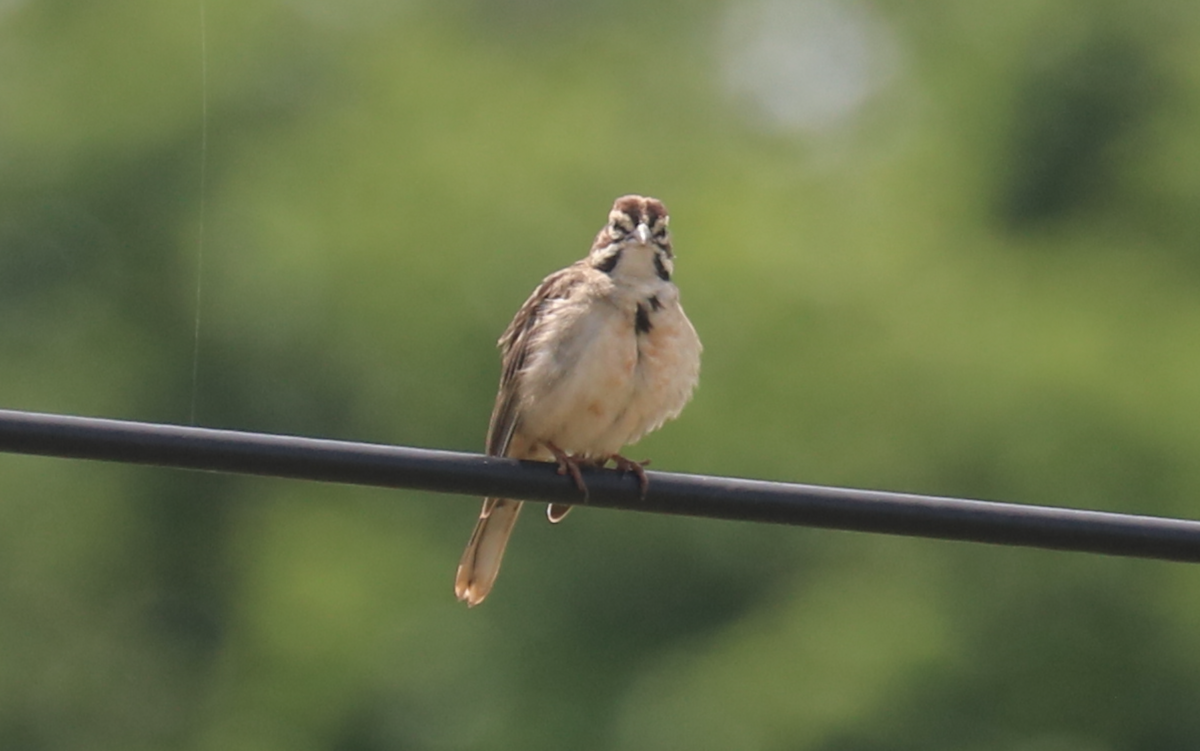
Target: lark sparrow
[[599, 355]]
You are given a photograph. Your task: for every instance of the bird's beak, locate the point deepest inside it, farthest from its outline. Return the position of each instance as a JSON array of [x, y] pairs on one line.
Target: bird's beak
[[643, 234]]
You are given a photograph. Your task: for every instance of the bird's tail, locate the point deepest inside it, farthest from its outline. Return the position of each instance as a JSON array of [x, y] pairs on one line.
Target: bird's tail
[[481, 560]]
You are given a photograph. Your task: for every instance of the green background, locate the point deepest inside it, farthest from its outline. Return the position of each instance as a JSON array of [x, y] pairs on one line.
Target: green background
[[940, 247]]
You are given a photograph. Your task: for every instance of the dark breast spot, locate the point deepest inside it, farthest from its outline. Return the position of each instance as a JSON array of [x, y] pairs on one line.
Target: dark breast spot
[[641, 320], [654, 303]]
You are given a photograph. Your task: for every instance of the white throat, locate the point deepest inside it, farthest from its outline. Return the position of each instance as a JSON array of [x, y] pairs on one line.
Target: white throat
[[637, 266]]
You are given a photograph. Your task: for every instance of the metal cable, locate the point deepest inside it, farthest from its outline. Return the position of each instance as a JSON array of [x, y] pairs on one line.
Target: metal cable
[[670, 493]]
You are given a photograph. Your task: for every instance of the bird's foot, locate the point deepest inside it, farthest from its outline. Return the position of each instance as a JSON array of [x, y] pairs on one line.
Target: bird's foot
[[637, 468], [569, 465]]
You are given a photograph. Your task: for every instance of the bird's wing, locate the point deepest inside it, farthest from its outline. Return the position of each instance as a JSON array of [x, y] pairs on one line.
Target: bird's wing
[[514, 348]]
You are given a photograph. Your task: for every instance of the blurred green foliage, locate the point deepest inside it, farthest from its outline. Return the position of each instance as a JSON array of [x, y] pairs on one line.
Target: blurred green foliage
[[945, 247]]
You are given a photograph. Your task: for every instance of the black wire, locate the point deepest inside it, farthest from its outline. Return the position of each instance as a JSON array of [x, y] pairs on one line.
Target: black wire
[[670, 493]]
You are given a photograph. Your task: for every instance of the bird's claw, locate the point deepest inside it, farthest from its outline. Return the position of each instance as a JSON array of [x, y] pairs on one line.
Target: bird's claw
[[569, 465], [637, 468]]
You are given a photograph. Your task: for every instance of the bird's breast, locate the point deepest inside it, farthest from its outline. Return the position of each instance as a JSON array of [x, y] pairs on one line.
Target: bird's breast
[[607, 373]]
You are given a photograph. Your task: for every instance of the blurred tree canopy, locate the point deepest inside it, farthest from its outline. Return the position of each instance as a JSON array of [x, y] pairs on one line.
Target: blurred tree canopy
[[945, 247]]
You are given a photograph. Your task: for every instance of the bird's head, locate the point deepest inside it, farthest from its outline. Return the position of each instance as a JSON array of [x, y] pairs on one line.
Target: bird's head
[[635, 240]]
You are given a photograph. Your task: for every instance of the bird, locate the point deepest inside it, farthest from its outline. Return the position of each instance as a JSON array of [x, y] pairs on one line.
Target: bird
[[599, 355]]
